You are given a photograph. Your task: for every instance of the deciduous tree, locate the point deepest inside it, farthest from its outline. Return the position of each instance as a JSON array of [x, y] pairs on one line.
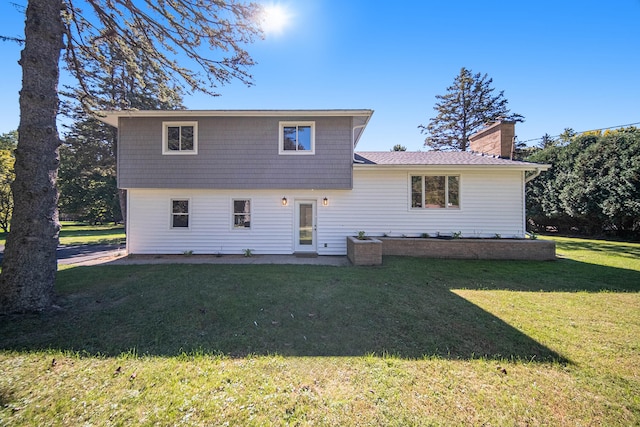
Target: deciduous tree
[[469, 103], [198, 43], [9, 140], [6, 178]]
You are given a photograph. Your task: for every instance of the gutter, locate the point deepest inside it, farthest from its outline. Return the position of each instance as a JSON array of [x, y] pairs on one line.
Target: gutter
[[534, 176], [434, 167]]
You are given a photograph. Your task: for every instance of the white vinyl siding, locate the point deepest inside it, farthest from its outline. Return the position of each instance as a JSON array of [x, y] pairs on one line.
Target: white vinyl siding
[[378, 204], [211, 228], [491, 202]]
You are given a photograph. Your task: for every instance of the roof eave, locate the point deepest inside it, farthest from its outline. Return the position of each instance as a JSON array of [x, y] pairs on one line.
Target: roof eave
[[112, 117]]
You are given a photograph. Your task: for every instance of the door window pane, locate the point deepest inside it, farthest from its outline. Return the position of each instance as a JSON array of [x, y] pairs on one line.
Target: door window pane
[[306, 224]]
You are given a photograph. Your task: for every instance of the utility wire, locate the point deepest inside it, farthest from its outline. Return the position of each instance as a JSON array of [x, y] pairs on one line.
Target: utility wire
[[584, 131]]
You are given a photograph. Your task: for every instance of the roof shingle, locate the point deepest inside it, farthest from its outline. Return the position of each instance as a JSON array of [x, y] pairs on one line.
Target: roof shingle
[[435, 158]]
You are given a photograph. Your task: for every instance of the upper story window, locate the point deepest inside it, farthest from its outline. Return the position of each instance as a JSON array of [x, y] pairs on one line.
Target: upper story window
[[435, 191], [180, 138], [297, 137]]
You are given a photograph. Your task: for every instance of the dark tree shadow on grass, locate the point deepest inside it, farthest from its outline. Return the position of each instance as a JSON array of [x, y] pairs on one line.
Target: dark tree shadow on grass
[[622, 249], [405, 308]]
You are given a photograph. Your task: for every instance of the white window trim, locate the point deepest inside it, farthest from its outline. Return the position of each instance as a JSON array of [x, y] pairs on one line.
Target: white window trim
[[165, 138], [188, 214], [446, 192], [281, 149], [233, 214]]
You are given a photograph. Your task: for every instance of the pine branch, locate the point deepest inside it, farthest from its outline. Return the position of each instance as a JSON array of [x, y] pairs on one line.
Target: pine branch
[[12, 39]]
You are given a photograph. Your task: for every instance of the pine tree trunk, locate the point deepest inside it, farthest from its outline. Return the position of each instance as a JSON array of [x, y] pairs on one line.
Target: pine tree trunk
[[29, 267]]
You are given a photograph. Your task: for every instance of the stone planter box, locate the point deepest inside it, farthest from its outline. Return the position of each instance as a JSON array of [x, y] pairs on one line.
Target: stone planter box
[[364, 252], [506, 249]]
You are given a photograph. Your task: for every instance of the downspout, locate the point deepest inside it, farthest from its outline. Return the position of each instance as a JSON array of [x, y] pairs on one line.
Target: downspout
[[353, 140], [513, 147], [534, 176]]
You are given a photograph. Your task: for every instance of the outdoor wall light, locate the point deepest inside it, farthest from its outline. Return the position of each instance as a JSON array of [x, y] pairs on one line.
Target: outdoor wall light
[[285, 202], [325, 202]]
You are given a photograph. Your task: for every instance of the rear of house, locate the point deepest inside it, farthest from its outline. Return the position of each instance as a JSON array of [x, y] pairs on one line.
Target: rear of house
[[290, 181]]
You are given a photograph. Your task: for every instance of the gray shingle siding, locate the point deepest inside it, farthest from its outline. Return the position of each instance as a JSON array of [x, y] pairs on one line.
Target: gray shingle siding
[[235, 153]]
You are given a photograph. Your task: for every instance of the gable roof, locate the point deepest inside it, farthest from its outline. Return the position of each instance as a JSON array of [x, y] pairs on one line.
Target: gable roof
[[445, 159]]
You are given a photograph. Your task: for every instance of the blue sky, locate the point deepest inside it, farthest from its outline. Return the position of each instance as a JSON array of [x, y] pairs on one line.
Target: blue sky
[[560, 63]]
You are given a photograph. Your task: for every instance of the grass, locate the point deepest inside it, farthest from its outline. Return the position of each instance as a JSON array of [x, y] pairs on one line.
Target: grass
[[84, 234], [75, 233], [413, 342]]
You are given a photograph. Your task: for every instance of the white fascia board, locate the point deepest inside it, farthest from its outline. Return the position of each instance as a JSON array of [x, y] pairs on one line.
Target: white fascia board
[[112, 117]]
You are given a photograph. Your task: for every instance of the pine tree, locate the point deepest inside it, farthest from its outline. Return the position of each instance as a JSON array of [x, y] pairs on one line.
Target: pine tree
[[208, 39], [87, 175], [468, 104]]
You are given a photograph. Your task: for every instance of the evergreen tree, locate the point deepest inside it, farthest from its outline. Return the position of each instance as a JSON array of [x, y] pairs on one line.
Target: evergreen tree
[[468, 104], [399, 147], [566, 136], [546, 141], [88, 156], [593, 186], [208, 39]]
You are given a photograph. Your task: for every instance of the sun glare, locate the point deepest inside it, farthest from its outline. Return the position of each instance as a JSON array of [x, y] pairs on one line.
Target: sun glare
[[275, 18]]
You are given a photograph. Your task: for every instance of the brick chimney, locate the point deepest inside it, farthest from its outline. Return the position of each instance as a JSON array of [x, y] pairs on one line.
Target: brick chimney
[[496, 139]]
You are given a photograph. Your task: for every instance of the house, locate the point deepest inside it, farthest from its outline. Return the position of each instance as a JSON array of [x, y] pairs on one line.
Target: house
[[291, 181]]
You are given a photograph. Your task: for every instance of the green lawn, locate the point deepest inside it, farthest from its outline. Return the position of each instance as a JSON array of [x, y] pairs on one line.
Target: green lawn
[[413, 342], [75, 233], [83, 234]]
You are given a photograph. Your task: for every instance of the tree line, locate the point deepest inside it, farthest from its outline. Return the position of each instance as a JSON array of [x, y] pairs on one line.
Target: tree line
[[593, 187]]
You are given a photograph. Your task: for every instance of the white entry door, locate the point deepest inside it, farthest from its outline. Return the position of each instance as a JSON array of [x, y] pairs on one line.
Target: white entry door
[[305, 226]]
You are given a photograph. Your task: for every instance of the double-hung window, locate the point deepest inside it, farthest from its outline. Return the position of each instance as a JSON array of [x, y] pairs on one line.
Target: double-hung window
[[241, 214], [435, 191], [180, 213], [297, 138], [180, 138]]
